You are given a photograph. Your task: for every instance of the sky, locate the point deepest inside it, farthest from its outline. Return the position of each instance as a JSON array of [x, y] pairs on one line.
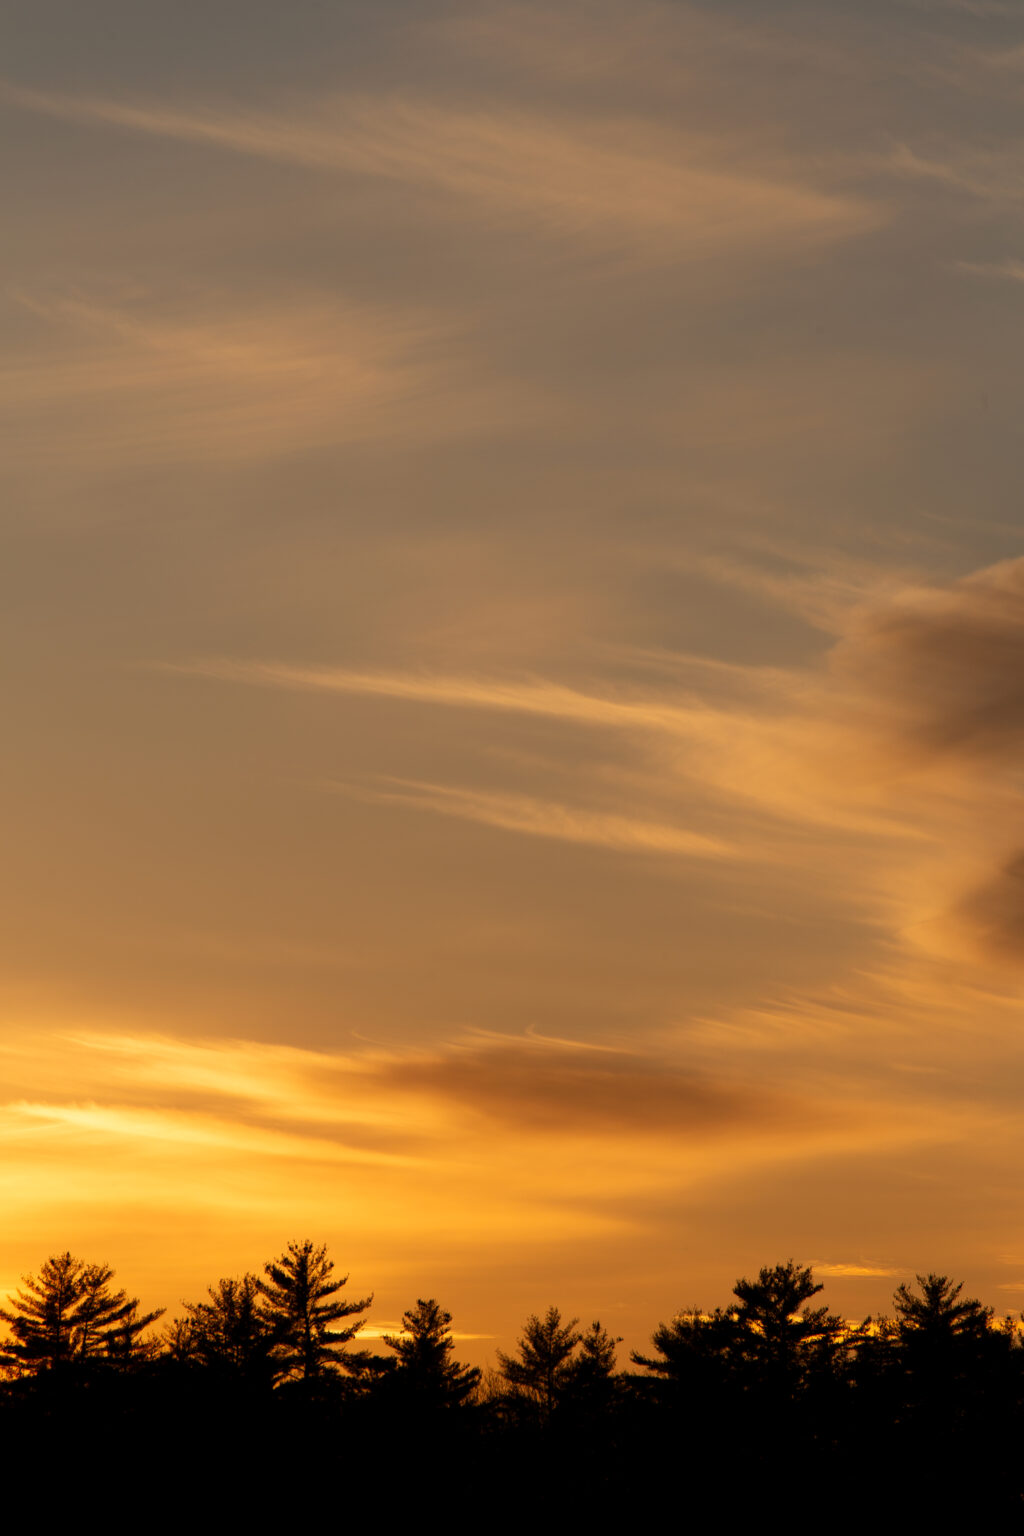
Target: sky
[[513, 595]]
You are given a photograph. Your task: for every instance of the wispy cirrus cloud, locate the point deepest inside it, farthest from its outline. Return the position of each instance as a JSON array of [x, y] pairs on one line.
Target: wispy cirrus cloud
[[183, 1097], [628, 184], [508, 1140], [987, 171], [906, 735], [537, 817], [1011, 267], [527, 696], [145, 1120], [122, 382], [195, 1130]]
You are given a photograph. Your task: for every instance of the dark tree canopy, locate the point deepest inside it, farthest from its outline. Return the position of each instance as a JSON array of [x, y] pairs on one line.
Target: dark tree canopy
[[596, 1359], [938, 1311], [778, 1407], [227, 1334], [68, 1314], [426, 1369], [690, 1345], [593, 1384], [941, 1345], [693, 1370], [781, 1337], [544, 1367], [771, 1342], [300, 1307]]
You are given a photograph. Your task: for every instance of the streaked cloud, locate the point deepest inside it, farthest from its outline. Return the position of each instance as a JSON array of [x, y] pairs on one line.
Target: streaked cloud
[[545, 818], [857, 1270], [562, 1143], [529, 696], [1012, 268], [114, 1122], [623, 182], [549, 1087], [910, 725], [136, 385], [142, 1090], [985, 172]]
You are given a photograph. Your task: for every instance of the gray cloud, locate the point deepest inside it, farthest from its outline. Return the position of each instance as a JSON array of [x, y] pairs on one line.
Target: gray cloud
[[563, 1088], [946, 665], [993, 912]]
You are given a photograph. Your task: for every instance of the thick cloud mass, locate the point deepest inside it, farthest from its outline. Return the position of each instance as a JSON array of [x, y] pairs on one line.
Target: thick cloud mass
[[994, 913], [947, 663], [578, 1090]]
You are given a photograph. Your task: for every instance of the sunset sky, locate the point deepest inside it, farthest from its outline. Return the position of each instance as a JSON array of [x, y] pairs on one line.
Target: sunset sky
[[514, 660]]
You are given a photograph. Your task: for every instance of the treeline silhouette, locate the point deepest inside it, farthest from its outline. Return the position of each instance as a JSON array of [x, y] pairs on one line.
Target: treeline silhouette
[[259, 1398]]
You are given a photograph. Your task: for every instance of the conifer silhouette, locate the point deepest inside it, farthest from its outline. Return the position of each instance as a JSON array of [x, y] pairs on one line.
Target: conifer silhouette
[[297, 1305], [425, 1365], [227, 1334], [544, 1368], [780, 1337], [68, 1314], [939, 1312]]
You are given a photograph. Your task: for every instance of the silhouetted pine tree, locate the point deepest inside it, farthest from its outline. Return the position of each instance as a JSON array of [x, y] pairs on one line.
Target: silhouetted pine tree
[[426, 1371], [125, 1347], [228, 1335], [763, 1370], [950, 1357], [68, 1314], [690, 1393], [694, 1356], [592, 1381], [939, 1392], [544, 1369], [938, 1315], [299, 1310], [784, 1342]]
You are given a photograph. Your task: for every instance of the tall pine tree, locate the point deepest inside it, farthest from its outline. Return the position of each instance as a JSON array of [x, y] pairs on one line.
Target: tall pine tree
[[426, 1369], [545, 1368], [228, 1334], [300, 1306], [68, 1314]]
